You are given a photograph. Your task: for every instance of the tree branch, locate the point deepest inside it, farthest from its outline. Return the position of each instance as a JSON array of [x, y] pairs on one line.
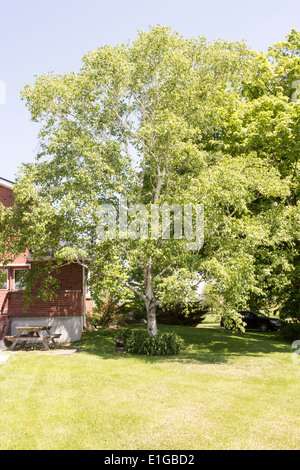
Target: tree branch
[[162, 272], [124, 284], [159, 183]]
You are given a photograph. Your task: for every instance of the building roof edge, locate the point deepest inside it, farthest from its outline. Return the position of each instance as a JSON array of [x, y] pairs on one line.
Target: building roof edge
[[5, 182]]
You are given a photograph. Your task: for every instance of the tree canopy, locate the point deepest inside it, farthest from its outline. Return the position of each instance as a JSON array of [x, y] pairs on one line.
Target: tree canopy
[[167, 122]]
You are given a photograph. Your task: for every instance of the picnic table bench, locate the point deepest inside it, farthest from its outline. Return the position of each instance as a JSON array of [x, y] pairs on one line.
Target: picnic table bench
[[33, 334]]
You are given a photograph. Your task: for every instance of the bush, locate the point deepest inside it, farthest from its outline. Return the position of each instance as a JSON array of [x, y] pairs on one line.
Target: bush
[[290, 331], [107, 313], [179, 315], [140, 342]]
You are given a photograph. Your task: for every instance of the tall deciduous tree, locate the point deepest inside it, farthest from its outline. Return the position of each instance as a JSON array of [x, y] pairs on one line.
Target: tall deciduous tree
[[268, 123], [140, 126]]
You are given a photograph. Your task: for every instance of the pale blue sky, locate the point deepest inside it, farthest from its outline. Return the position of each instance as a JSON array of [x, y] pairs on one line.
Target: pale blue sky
[[37, 36]]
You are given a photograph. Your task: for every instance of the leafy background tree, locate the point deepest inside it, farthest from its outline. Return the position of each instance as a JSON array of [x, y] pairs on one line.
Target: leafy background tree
[[267, 123]]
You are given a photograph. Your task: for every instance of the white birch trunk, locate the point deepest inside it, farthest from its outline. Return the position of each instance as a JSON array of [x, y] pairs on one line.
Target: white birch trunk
[[150, 301]]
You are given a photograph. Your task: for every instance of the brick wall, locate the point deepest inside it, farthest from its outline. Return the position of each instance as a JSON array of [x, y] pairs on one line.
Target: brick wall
[[7, 199], [70, 277], [4, 302], [69, 299], [6, 196], [66, 303], [22, 259]]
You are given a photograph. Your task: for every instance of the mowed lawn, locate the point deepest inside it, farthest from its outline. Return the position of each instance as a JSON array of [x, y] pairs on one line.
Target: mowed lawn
[[225, 391]]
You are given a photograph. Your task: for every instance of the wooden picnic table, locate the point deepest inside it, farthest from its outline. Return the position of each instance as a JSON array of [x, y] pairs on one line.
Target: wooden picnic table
[[33, 334]]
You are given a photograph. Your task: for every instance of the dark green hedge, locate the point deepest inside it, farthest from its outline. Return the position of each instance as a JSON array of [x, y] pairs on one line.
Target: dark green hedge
[[290, 331]]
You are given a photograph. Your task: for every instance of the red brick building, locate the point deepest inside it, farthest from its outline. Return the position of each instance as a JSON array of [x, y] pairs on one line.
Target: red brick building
[[66, 313]]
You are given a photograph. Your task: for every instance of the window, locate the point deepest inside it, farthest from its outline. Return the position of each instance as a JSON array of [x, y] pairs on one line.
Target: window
[[19, 278], [3, 279]]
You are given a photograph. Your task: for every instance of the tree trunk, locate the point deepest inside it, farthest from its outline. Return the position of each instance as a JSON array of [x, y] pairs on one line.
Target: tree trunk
[[150, 301], [151, 318]]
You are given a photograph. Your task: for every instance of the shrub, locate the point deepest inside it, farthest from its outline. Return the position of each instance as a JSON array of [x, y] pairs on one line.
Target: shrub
[[106, 313], [290, 331], [180, 315], [93, 318], [140, 342]]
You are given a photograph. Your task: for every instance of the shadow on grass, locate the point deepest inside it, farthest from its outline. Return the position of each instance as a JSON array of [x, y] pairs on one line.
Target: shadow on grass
[[202, 345]]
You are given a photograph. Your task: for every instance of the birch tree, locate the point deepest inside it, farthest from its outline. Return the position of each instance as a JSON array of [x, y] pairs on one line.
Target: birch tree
[[140, 123]]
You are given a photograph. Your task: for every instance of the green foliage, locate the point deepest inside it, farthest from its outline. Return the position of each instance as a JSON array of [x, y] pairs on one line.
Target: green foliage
[[290, 330], [169, 120], [3, 277], [106, 313], [40, 282], [266, 126], [232, 320], [137, 341], [290, 307], [190, 315]]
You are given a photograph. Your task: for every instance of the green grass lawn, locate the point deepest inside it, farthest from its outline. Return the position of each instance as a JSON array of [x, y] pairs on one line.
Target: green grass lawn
[[225, 391]]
